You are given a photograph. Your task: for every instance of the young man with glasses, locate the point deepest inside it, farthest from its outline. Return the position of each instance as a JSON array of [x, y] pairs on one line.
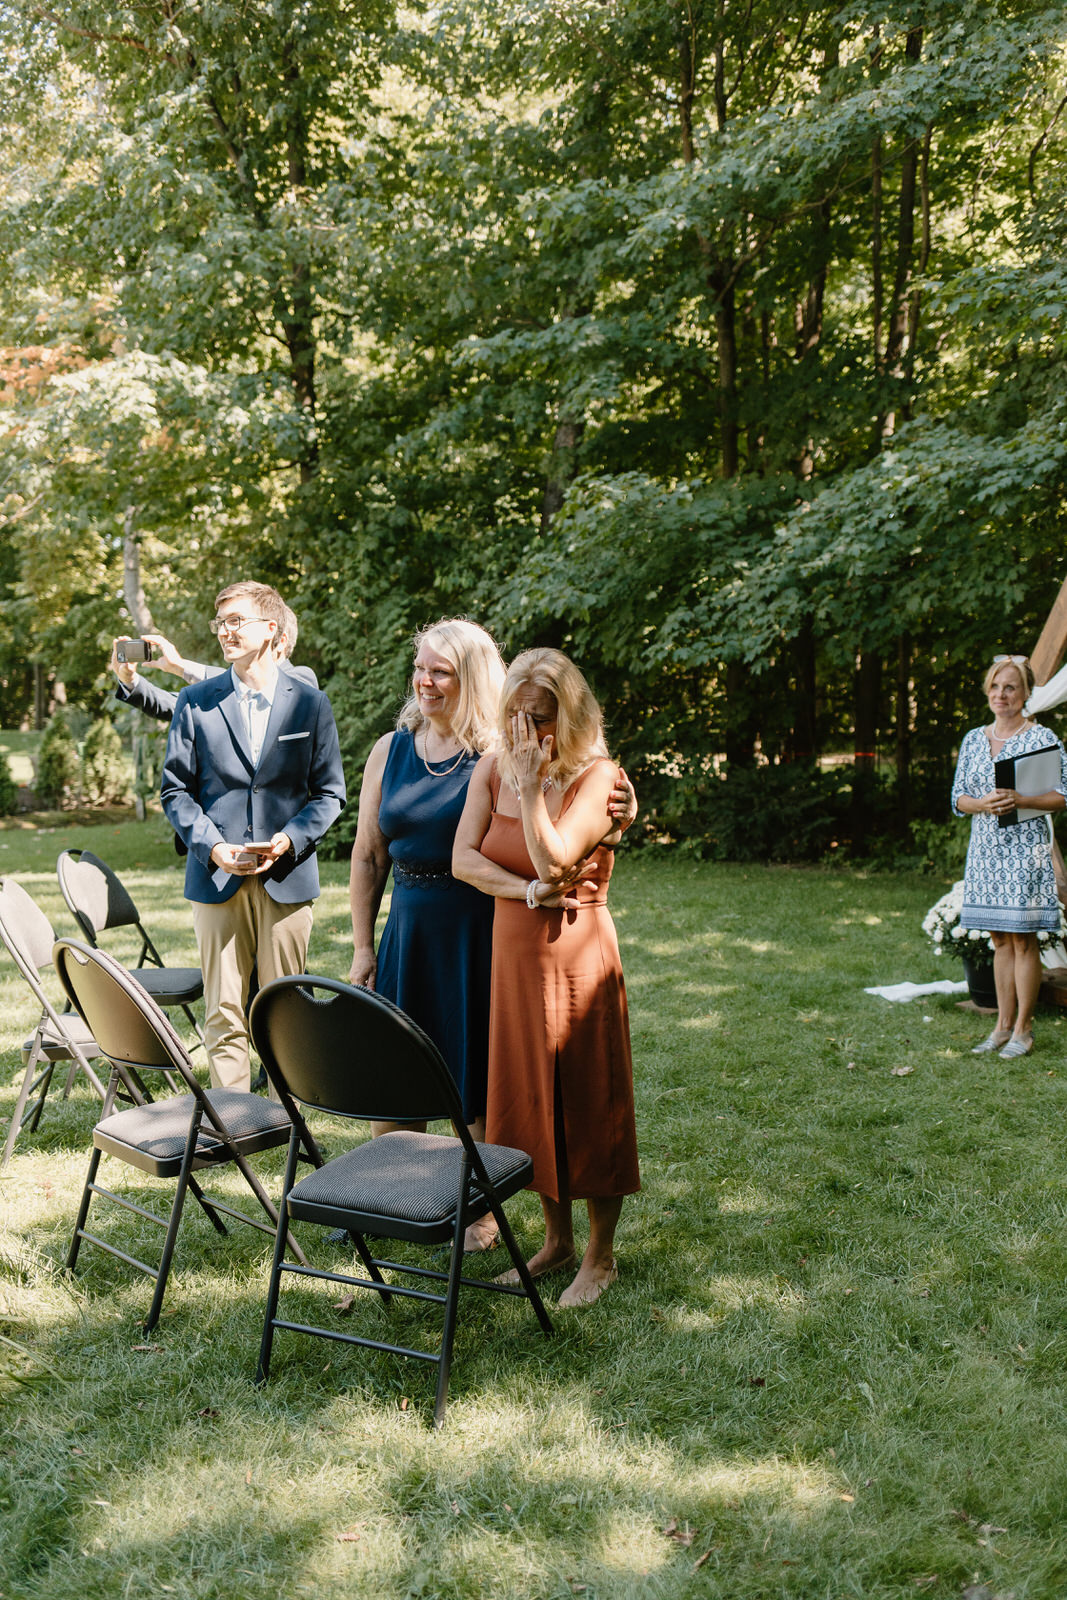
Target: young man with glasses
[[251, 781]]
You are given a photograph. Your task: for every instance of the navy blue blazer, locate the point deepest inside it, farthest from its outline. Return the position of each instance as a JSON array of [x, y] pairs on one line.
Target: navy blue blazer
[[212, 793]]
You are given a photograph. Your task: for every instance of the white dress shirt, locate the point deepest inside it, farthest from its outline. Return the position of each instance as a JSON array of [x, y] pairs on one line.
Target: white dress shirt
[[255, 707]]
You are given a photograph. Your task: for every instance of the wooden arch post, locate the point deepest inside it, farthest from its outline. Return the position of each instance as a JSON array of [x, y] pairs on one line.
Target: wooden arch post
[[1050, 648]]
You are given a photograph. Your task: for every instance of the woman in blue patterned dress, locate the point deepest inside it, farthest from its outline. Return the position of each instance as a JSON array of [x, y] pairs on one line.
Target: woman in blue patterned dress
[[1009, 886], [436, 950]]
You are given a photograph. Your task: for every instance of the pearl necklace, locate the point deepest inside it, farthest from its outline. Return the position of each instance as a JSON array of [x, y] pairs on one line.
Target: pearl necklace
[[1002, 739], [447, 770]]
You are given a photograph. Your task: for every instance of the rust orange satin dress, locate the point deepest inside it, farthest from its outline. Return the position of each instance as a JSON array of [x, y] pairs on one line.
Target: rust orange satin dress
[[560, 1069]]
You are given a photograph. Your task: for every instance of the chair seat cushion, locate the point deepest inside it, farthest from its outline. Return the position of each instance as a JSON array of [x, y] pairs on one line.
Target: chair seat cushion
[[170, 986], [55, 1045], [153, 1136], [408, 1176]]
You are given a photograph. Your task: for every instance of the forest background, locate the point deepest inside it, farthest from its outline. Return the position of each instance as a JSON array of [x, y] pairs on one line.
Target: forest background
[[720, 344]]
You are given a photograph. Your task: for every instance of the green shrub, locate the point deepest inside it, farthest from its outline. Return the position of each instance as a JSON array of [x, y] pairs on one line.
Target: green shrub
[[105, 775], [941, 846], [786, 813], [58, 767], [9, 789]]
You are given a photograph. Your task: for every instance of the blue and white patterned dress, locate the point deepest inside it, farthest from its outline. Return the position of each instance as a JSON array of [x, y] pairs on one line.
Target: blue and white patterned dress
[[1008, 883]]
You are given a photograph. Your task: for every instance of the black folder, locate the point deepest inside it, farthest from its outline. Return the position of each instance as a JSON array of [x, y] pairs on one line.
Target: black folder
[[1036, 772]]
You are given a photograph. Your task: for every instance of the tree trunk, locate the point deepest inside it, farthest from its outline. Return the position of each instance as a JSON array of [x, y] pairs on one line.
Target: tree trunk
[[741, 718], [867, 688], [802, 742], [561, 469], [900, 310], [132, 587], [903, 730]]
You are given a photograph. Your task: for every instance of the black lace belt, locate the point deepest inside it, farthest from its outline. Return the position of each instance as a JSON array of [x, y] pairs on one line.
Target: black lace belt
[[420, 874]]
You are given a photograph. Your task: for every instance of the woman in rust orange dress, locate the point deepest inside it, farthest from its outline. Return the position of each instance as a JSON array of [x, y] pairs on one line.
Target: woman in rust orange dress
[[560, 1071]]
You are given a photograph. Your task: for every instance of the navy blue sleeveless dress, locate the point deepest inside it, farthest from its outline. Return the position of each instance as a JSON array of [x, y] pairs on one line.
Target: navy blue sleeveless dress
[[436, 951]]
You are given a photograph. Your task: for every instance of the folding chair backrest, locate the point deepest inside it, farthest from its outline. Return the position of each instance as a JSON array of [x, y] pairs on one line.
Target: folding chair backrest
[[94, 894], [126, 1023], [351, 1052], [25, 930]]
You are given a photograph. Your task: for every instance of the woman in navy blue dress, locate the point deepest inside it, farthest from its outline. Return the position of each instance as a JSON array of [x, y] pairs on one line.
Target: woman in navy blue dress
[[436, 950], [435, 953]]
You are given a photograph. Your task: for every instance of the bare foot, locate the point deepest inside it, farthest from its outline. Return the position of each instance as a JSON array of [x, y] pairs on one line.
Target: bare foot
[[557, 1259], [588, 1286], [480, 1235]]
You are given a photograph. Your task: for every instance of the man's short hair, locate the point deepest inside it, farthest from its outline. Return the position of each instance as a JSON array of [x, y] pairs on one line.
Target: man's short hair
[[290, 627], [264, 601]]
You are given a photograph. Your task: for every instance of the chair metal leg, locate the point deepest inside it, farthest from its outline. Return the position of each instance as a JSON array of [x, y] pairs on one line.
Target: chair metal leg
[[519, 1262], [26, 1088], [280, 1237], [83, 1209], [46, 1079], [163, 1271], [448, 1334], [206, 1206], [266, 1202]]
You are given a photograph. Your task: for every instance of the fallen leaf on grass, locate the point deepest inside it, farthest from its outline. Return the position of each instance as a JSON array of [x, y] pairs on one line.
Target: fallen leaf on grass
[[404, 1402], [700, 1560], [683, 1535], [208, 1411], [848, 1497], [154, 1348], [757, 1383], [345, 1304], [901, 1072], [248, 1476], [349, 1536], [990, 1528]]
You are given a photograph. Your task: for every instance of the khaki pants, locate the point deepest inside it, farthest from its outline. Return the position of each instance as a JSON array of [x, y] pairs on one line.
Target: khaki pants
[[248, 929]]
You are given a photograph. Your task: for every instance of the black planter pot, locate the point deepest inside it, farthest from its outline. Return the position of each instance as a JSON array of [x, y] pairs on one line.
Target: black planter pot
[[980, 985]]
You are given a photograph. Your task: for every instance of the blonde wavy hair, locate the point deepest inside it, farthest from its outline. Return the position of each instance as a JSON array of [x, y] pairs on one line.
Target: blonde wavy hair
[[1020, 665], [579, 737], [480, 672]]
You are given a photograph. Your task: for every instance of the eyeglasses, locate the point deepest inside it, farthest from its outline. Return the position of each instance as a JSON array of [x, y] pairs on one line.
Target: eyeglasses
[[1020, 661], [233, 624]]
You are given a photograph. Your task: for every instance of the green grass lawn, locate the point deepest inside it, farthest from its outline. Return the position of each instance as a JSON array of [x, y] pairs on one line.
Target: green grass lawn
[[833, 1365]]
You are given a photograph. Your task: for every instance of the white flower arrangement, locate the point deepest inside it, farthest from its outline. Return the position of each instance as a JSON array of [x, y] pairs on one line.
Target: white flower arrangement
[[941, 925]]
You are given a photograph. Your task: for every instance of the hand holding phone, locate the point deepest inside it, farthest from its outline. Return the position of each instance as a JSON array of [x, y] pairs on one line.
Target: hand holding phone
[[130, 650]]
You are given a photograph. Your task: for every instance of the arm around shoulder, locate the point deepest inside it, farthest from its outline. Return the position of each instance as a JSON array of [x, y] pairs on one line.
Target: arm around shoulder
[[369, 868]]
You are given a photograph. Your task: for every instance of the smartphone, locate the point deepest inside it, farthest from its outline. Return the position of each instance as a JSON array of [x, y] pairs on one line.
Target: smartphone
[[127, 650], [252, 849]]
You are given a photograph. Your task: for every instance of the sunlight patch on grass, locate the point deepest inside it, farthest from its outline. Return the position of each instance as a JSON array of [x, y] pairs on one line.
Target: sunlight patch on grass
[[748, 1202], [710, 1023]]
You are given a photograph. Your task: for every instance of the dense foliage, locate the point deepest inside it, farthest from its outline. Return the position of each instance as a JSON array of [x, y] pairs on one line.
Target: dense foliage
[[722, 345]]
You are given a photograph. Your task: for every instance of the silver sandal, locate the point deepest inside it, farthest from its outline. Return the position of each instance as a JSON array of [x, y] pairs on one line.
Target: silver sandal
[[996, 1041]]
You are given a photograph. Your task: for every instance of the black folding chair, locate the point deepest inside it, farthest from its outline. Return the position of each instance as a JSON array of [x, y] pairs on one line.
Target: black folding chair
[[60, 1035], [353, 1054], [98, 900], [169, 1138]]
